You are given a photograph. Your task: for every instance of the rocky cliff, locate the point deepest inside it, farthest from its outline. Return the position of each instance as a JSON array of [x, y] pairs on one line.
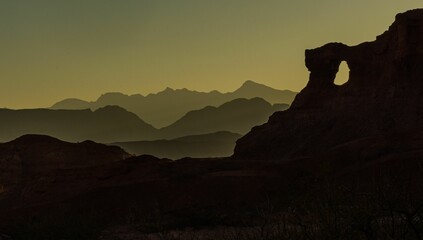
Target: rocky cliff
[[383, 96]]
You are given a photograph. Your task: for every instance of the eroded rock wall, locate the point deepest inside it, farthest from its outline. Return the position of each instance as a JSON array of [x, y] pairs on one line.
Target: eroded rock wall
[[384, 95]]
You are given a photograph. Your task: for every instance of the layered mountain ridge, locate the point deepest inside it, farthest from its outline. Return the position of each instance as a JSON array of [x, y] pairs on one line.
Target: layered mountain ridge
[[163, 108], [115, 124], [237, 116]]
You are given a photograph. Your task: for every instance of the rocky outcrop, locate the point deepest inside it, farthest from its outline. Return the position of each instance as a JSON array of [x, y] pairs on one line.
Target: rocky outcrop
[[382, 96], [33, 166]]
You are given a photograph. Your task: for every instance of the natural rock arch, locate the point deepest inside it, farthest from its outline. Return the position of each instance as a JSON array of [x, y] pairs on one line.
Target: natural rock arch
[[342, 76], [323, 64]]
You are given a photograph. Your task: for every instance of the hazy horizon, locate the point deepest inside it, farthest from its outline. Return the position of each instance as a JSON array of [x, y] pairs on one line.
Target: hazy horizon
[[55, 50]]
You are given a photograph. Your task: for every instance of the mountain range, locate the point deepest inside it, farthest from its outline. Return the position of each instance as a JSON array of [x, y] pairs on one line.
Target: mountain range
[[115, 124], [163, 108]]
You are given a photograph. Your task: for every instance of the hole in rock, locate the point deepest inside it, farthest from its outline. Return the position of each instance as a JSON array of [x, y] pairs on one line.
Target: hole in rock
[[343, 74]]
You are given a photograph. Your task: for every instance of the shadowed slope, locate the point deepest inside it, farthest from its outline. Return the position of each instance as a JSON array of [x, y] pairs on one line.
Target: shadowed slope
[[237, 116]]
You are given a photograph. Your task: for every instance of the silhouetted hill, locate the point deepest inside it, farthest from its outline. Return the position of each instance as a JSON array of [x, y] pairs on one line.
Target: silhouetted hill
[[73, 104], [165, 107], [219, 144], [251, 89], [237, 116], [42, 162], [106, 124]]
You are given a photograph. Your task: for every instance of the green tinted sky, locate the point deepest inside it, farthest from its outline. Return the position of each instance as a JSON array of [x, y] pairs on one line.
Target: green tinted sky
[[50, 50]]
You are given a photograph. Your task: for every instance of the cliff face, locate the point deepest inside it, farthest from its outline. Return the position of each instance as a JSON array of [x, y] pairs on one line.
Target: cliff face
[[384, 95]]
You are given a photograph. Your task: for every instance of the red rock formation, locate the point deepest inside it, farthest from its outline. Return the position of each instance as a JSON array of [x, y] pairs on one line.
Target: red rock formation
[[33, 165], [384, 95]]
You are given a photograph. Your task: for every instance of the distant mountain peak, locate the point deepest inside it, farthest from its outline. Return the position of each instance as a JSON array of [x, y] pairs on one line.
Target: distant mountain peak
[[215, 92], [114, 108], [250, 82], [71, 103], [108, 94], [251, 85], [112, 97], [168, 89]]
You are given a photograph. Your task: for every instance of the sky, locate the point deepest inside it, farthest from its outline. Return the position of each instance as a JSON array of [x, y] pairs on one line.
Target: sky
[[56, 49]]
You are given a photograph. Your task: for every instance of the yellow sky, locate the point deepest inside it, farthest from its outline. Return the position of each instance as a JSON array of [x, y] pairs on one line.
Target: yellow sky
[[51, 50]]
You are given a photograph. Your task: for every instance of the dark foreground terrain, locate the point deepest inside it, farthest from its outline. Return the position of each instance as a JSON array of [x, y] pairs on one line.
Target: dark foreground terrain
[[365, 189], [343, 162]]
